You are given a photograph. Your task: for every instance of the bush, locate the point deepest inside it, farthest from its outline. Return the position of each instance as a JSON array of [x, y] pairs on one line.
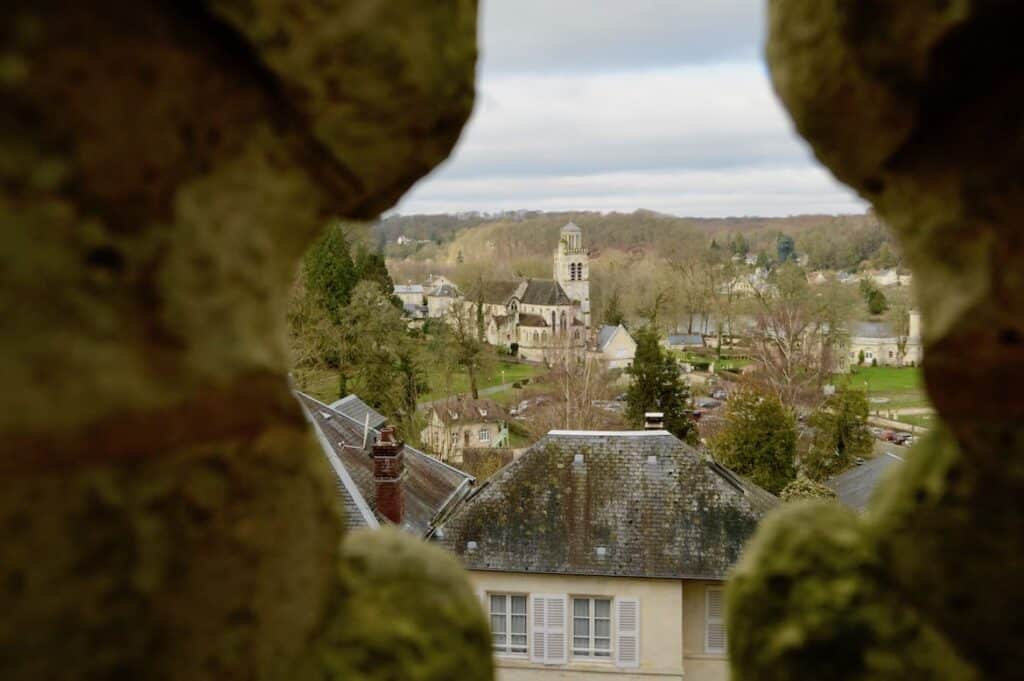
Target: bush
[[805, 488]]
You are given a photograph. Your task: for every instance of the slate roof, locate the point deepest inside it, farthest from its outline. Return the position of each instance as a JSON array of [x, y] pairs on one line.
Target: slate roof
[[571, 227], [531, 320], [671, 516], [408, 288], [871, 330], [497, 292], [444, 291], [354, 408], [605, 335], [430, 488], [545, 292], [855, 487], [415, 311], [685, 339]]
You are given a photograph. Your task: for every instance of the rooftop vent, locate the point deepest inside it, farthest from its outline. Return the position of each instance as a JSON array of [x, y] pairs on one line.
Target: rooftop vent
[[654, 420], [471, 546], [652, 460], [578, 458], [325, 416], [601, 551]]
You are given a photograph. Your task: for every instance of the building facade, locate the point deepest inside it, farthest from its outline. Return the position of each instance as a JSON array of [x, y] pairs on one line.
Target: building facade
[[604, 554], [460, 424]]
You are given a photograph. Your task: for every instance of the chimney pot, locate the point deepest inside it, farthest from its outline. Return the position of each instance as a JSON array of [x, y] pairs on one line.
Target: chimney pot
[[388, 471], [654, 420]]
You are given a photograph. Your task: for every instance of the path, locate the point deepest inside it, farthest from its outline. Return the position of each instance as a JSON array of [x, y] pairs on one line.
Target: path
[[483, 393]]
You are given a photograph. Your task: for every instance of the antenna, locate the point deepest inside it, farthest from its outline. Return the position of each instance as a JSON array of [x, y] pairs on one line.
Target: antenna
[[366, 428]]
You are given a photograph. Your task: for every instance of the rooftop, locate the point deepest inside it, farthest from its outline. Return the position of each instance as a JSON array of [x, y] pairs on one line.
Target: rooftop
[[855, 487], [465, 410], [357, 410], [430, 488], [651, 503], [545, 292]]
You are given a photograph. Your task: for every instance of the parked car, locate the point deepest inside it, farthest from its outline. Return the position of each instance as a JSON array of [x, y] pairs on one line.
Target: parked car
[[901, 438]]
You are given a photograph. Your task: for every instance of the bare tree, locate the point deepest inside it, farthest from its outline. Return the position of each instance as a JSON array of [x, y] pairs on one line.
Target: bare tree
[[575, 386]]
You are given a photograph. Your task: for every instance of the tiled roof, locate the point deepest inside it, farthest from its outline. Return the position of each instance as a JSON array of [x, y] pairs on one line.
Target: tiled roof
[[430, 488], [354, 408], [640, 504], [465, 410], [531, 320], [545, 292], [855, 487]]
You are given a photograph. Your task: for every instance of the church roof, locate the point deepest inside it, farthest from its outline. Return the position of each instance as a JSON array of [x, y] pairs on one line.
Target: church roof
[[571, 227], [531, 320], [496, 292], [545, 292]]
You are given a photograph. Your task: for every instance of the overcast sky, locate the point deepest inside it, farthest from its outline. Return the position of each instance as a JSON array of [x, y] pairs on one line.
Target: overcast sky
[[627, 104]]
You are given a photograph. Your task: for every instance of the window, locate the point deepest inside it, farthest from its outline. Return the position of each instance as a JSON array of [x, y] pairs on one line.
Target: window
[[508, 623], [714, 622], [591, 627], [890, 354], [485, 435]]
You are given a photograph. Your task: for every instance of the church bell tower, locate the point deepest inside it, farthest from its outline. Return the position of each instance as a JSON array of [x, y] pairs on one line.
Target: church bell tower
[[572, 268]]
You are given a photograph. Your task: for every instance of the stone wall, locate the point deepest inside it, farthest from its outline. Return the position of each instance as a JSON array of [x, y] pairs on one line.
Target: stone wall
[[919, 106], [164, 510]]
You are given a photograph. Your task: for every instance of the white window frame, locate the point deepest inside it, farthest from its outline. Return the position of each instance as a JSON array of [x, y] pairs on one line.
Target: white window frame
[[484, 435], [591, 652], [710, 621], [507, 649]]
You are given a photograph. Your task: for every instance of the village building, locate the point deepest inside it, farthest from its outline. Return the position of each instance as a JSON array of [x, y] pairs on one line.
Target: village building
[[410, 294], [458, 425], [380, 480], [877, 343], [604, 555], [440, 299], [615, 347]]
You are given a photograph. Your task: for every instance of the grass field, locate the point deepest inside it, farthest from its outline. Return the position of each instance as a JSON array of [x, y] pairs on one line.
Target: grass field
[[726, 363], [441, 385], [899, 387]]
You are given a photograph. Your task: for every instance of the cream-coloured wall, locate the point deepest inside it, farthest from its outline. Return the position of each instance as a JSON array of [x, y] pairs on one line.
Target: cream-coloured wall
[[620, 351], [699, 664], [661, 626]]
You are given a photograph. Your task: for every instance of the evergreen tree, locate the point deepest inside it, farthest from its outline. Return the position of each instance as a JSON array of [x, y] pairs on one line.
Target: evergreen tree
[[657, 385], [759, 439], [841, 434], [785, 248], [330, 274]]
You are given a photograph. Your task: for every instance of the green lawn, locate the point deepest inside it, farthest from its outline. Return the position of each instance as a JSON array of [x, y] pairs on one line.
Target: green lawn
[[899, 387], [320, 383], [441, 385], [726, 363]]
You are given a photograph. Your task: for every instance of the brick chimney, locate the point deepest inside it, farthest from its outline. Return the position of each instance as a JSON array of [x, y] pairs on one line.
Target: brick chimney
[[388, 469], [654, 420]]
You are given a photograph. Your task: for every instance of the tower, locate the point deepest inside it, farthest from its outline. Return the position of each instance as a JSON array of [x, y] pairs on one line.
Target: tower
[[572, 268]]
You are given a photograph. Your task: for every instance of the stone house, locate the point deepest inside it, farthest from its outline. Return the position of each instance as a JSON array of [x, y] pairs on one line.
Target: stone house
[[459, 424], [615, 347], [604, 555], [440, 299], [411, 294], [880, 344]]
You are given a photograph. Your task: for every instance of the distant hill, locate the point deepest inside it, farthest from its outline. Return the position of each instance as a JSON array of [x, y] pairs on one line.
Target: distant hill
[[833, 241]]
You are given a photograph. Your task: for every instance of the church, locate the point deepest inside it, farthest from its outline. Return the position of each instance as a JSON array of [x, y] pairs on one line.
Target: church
[[542, 320]]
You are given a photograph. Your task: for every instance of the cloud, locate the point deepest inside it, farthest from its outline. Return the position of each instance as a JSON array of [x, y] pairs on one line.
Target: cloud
[[588, 35], [616, 105]]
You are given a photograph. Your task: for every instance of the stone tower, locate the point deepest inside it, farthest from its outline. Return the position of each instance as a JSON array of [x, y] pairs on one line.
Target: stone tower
[[572, 268]]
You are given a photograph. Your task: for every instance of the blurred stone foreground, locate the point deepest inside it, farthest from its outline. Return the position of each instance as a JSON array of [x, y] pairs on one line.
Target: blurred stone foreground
[[164, 512]]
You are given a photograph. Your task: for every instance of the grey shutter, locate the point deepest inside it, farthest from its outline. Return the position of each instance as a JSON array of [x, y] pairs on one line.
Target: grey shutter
[[556, 629], [538, 633]]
